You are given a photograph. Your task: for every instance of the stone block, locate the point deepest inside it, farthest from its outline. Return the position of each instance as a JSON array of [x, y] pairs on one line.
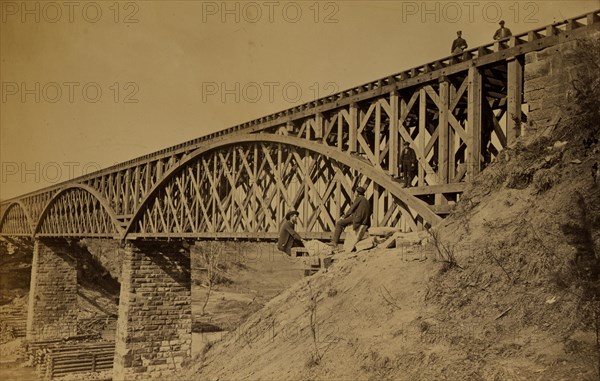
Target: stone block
[[535, 84], [548, 52], [536, 70], [533, 106], [552, 101], [531, 57], [571, 58]]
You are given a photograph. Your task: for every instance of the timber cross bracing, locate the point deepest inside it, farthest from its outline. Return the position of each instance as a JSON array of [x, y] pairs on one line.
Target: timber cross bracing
[[457, 113]]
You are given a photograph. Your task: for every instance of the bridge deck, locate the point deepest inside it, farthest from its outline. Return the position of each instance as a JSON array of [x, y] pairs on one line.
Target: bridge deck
[[456, 112]]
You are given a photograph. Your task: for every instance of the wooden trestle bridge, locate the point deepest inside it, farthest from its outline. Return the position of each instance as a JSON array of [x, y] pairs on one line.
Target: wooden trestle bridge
[[457, 113]]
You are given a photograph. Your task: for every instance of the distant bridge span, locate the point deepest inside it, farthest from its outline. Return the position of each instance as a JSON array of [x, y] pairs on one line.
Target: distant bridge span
[[457, 113]]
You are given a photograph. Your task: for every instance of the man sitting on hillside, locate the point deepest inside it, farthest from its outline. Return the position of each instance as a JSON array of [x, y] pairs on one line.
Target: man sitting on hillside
[[288, 238], [359, 214]]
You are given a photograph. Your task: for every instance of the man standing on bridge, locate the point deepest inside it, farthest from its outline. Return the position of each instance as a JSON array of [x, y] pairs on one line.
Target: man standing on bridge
[[288, 238], [359, 214], [459, 45], [502, 32], [408, 164]]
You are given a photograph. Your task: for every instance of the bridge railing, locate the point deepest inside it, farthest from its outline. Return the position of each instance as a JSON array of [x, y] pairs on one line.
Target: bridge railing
[[474, 53], [379, 86]]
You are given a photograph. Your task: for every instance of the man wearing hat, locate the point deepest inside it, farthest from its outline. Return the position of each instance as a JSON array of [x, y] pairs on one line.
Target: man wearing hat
[[288, 237], [408, 164], [458, 45], [359, 214], [502, 32]]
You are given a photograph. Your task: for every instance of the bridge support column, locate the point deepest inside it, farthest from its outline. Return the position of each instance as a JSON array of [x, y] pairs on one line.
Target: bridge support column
[[53, 308], [443, 138], [515, 98], [474, 122], [154, 330]]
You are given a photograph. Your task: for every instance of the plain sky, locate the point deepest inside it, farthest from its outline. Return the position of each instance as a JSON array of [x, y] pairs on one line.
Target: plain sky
[[89, 84]]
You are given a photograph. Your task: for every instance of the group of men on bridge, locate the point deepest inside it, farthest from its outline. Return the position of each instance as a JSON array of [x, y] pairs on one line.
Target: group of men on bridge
[[359, 214], [459, 45]]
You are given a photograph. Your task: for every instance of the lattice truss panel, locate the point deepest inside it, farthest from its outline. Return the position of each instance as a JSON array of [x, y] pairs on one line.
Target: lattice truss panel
[[126, 188], [248, 188], [76, 212], [35, 204], [455, 125], [14, 220]]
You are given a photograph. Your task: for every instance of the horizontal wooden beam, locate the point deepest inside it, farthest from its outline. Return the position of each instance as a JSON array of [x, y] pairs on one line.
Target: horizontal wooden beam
[[442, 209], [437, 189], [228, 235]]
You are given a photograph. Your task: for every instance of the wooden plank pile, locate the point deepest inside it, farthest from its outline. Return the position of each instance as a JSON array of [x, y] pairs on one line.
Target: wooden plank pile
[[58, 358], [13, 322]]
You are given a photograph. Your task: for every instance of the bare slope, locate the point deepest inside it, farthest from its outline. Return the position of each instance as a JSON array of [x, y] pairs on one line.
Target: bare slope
[[520, 302]]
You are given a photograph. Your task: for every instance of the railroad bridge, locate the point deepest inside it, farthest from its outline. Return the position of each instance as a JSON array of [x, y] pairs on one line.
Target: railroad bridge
[[457, 113]]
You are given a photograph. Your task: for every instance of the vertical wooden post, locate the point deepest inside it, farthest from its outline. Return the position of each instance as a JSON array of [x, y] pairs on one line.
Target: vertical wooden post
[[375, 218], [451, 139], [338, 195], [118, 183], [377, 145], [515, 91], [137, 187], [443, 132], [422, 132], [159, 169], [102, 183], [443, 154], [353, 132], [318, 125], [280, 199], [214, 193], [126, 196], [474, 122], [235, 198], [147, 181], [393, 143], [255, 202], [340, 131], [306, 199]]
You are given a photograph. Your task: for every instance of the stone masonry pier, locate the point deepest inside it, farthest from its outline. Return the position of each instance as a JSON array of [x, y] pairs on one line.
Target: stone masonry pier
[[52, 310], [154, 330], [548, 79]]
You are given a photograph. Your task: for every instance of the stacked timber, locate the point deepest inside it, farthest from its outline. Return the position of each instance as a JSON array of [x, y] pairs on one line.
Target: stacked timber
[[81, 358], [13, 322], [57, 358]]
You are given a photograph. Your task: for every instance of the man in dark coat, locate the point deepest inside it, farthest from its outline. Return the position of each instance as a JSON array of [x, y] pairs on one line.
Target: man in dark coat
[[503, 32], [288, 238], [408, 164], [459, 45], [359, 214]]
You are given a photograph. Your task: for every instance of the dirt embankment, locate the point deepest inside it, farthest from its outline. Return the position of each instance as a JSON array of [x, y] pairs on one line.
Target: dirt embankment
[[518, 298]]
